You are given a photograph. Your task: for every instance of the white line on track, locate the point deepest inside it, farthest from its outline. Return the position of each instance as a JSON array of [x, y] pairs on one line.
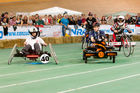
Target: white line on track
[[40, 70], [100, 83], [66, 75]]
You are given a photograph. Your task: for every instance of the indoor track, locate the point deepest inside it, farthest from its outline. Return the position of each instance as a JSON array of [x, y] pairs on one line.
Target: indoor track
[[71, 75]]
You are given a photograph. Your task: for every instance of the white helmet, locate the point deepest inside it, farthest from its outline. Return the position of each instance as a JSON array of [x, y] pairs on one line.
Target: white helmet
[[121, 20], [33, 30]]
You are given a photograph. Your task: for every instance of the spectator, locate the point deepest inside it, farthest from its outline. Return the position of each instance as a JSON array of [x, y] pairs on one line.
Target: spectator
[[45, 19], [103, 20], [33, 19], [50, 20], [110, 20], [19, 22], [59, 17], [7, 17], [75, 22], [71, 20], [128, 19], [37, 16], [116, 19], [39, 21], [83, 19], [79, 21], [12, 22], [0, 21], [97, 19], [138, 19], [65, 23], [133, 19], [54, 20], [5, 26], [25, 21], [30, 22]]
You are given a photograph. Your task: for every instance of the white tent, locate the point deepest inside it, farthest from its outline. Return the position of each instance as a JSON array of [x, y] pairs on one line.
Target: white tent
[[122, 13], [22, 13], [55, 11]]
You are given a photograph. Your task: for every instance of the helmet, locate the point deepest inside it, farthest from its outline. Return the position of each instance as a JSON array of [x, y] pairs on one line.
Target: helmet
[[33, 30], [121, 20], [90, 14]]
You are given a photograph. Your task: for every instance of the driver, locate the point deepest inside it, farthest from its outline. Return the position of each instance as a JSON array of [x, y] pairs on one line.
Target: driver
[[96, 35], [119, 27], [33, 43]]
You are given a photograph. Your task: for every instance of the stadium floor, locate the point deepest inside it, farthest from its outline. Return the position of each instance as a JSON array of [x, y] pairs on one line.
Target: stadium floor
[[71, 75]]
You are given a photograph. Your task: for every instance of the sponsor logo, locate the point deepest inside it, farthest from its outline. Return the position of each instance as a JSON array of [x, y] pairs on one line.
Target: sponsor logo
[[1, 34]]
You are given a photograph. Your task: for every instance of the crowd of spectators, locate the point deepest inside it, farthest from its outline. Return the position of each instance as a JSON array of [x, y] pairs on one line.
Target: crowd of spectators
[[7, 19]]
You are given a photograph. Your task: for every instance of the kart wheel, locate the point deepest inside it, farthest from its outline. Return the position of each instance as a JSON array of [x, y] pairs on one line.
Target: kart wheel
[[110, 57], [53, 54], [13, 52], [85, 59], [84, 43], [120, 48], [83, 55], [132, 46], [113, 59], [127, 46]]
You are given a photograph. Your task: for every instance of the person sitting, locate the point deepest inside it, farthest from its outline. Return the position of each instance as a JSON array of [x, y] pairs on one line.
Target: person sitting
[[32, 44], [96, 35]]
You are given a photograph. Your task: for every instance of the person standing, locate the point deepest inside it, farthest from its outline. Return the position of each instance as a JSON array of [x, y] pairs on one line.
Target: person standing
[[65, 23]]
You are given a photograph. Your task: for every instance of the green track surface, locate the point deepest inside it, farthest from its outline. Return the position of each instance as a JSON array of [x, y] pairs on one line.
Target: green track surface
[[71, 75]]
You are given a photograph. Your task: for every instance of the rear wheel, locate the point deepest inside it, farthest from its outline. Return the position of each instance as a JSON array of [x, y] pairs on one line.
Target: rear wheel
[[132, 46], [83, 55], [127, 46]]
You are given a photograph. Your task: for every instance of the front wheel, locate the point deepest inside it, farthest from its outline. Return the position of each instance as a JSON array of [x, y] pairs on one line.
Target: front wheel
[[113, 59], [85, 59]]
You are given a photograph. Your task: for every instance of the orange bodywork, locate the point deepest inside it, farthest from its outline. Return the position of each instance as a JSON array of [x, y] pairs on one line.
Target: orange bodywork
[[88, 55], [111, 54], [32, 56], [101, 54]]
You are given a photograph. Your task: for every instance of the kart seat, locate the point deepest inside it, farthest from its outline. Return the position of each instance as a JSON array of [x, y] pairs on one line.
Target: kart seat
[[109, 47]]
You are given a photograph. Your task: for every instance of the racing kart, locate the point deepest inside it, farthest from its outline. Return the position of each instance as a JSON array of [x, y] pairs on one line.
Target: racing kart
[[99, 50], [44, 55], [124, 41]]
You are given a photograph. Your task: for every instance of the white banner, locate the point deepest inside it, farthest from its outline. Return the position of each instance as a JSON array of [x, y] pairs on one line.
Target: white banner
[[55, 31], [22, 32]]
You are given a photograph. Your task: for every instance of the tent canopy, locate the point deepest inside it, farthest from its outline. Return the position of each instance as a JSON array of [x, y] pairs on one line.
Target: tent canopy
[[55, 11], [122, 13]]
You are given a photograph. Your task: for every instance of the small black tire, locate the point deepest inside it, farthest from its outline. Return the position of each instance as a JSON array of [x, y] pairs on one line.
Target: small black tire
[[113, 59], [110, 57], [86, 60], [83, 55]]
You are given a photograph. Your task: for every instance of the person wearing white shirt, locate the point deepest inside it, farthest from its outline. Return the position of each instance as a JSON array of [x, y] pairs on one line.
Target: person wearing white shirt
[[33, 43]]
